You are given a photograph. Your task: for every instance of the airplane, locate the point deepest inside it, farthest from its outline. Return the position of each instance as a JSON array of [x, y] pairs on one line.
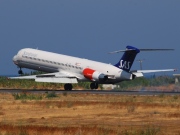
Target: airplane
[[66, 69]]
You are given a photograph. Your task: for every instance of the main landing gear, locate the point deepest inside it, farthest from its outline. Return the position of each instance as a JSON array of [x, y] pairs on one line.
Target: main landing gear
[[68, 86], [94, 85], [20, 71]]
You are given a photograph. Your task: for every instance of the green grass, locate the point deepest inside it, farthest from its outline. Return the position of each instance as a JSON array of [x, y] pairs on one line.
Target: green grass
[[51, 95], [26, 96]]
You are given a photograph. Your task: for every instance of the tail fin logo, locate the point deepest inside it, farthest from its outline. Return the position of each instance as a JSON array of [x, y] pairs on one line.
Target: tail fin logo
[[127, 59], [124, 64]]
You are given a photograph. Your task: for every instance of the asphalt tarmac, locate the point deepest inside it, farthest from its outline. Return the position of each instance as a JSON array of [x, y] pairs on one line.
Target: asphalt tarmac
[[113, 92]]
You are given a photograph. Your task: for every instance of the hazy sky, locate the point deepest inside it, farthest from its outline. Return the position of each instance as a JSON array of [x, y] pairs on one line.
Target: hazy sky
[[90, 29]]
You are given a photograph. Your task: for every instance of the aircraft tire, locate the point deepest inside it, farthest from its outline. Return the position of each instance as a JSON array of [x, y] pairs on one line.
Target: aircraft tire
[[20, 71], [94, 85], [68, 86]]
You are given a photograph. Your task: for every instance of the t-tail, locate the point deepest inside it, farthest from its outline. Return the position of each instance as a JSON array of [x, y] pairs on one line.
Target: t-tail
[[127, 59]]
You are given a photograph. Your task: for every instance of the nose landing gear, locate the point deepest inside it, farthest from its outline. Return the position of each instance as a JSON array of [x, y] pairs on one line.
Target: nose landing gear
[[20, 71]]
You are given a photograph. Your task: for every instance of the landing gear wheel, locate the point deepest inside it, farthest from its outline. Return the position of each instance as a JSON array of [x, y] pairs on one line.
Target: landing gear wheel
[[20, 71], [94, 85], [68, 86]]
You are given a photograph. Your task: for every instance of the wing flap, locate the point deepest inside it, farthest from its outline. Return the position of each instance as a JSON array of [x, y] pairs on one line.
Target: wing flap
[[56, 80], [24, 77], [51, 78]]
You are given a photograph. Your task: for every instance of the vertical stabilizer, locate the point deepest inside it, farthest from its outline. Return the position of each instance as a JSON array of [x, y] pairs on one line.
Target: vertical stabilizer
[[127, 59]]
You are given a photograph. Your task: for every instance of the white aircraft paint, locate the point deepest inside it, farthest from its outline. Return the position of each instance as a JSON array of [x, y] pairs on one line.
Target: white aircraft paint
[[67, 69]]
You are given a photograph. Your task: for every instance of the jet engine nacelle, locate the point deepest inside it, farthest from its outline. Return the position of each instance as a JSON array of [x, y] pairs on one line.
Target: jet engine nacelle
[[127, 75], [94, 75]]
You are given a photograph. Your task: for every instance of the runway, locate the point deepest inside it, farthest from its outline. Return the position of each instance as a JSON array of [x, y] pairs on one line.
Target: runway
[[113, 92]]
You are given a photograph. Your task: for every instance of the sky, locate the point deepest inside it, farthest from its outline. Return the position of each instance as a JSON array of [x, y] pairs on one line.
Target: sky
[[90, 29]]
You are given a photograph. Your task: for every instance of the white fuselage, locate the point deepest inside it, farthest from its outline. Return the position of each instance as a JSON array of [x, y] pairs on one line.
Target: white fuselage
[[53, 62]]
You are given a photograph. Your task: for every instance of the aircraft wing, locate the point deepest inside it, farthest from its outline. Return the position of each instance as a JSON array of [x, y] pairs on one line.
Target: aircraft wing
[[139, 73], [58, 77]]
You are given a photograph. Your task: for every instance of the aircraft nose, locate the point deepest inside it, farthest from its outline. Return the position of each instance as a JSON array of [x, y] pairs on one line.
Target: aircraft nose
[[15, 59]]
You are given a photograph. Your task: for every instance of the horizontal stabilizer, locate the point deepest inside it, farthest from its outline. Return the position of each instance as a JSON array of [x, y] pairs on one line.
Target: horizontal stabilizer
[[139, 73], [153, 71], [127, 50], [156, 49]]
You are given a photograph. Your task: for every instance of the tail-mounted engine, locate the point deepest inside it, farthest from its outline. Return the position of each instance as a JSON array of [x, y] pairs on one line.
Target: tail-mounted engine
[[94, 75]]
